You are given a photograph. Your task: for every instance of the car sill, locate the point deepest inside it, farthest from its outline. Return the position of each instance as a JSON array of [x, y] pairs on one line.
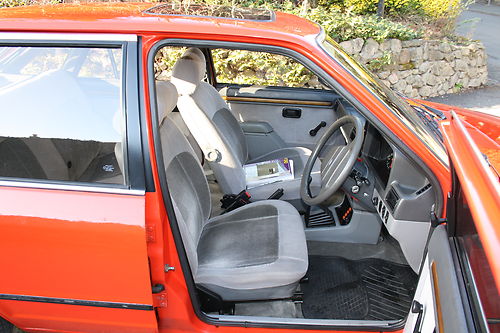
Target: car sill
[[312, 323]]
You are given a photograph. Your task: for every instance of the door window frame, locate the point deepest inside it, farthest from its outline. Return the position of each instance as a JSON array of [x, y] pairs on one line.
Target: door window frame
[[134, 173], [337, 87], [469, 292]]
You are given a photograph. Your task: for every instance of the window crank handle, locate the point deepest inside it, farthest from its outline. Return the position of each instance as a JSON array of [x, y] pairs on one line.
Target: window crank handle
[[315, 130]]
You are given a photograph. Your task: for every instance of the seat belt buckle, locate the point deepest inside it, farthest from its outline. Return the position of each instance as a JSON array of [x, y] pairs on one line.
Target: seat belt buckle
[[276, 194], [230, 202]]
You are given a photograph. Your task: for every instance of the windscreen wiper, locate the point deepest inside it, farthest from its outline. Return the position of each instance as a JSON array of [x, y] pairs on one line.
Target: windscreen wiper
[[491, 165], [435, 112], [429, 120]]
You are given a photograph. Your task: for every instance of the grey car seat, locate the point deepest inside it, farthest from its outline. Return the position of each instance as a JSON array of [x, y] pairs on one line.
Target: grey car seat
[[220, 136], [256, 252]]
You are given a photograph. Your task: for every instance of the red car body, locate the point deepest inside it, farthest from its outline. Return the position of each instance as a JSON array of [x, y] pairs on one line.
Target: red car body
[[81, 260]]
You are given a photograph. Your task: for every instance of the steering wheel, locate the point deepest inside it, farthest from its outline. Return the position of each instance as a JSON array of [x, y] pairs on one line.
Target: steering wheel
[[337, 164]]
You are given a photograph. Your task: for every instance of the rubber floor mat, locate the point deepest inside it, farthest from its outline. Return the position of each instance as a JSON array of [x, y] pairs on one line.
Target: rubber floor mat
[[368, 289]]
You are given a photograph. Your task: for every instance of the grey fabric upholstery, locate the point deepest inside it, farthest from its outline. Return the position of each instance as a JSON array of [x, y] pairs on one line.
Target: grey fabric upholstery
[[256, 252], [219, 134], [165, 103], [232, 133]]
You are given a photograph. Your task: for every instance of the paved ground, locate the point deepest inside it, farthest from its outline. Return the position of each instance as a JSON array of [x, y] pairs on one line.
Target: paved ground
[[481, 21]]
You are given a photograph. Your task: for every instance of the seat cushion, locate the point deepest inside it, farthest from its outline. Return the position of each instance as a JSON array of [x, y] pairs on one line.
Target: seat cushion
[[291, 188], [255, 252]]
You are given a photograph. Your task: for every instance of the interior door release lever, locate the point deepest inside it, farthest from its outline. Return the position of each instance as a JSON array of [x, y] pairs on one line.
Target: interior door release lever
[[418, 309], [315, 130]]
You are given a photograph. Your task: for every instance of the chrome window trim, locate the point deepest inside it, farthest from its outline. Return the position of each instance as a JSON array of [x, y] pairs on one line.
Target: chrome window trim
[[38, 36], [85, 187]]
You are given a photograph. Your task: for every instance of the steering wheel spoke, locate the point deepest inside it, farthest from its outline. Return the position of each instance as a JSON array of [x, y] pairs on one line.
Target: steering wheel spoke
[[336, 165], [332, 168]]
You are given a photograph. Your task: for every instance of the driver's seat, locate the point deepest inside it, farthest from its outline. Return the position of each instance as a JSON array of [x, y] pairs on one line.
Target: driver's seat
[[256, 252], [219, 135]]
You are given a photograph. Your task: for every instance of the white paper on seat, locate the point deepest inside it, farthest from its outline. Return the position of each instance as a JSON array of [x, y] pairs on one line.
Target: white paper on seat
[[267, 172]]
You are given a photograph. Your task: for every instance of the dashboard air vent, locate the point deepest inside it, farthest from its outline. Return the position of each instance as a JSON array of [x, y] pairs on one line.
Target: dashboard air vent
[[423, 189], [392, 198]]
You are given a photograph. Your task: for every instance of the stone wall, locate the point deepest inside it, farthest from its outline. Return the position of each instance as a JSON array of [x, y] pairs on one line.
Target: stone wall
[[422, 68]]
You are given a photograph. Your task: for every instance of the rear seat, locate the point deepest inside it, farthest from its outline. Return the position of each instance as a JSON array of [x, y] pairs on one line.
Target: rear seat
[[59, 159]]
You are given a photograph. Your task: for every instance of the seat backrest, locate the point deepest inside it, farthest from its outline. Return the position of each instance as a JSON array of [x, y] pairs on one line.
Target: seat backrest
[[179, 122], [186, 181], [209, 119]]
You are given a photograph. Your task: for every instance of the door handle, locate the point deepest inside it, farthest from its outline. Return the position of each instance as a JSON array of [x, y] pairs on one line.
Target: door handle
[[291, 113], [315, 130], [416, 307]]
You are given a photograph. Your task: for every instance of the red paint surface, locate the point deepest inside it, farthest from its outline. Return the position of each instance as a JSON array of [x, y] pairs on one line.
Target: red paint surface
[[97, 243], [481, 189], [74, 245]]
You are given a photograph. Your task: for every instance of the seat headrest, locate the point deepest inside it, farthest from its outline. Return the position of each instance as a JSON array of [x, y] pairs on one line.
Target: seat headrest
[[189, 70], [166, 99]]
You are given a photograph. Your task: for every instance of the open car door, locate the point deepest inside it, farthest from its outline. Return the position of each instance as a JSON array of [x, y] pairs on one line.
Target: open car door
[[459, 284]]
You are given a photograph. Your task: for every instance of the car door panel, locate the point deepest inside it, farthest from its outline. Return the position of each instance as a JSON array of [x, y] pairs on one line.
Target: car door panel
[[438, 290], [280, 106], [78, 257], [462, 255]]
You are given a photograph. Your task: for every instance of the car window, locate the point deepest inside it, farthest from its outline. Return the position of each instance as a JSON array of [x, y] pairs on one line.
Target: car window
[[478, 272], [165, 60], [101, 63], [244, 67], [62, 117]]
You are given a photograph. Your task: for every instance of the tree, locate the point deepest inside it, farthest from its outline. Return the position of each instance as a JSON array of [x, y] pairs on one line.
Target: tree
[[380, 8]]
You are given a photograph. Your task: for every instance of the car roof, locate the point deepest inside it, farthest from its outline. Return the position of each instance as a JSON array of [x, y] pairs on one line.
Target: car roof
[[131, 18]]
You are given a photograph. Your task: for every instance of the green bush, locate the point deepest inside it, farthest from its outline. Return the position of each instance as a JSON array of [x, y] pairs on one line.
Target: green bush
[[391, 6], [429, 8], [340, 23], [13, 3], [442, 8], [261, 68], [343, 26]]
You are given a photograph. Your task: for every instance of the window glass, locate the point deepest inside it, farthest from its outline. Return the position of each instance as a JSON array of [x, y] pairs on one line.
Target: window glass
[[165, 60], [480, 276], [102, 63], [397, 104], [62, 116], [263, 69]]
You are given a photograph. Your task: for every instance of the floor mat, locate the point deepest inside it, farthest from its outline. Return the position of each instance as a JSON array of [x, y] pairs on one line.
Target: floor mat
[[368, 289]]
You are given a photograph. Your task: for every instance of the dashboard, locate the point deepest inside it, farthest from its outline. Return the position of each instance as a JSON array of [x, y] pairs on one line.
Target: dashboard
[[385, 182]]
